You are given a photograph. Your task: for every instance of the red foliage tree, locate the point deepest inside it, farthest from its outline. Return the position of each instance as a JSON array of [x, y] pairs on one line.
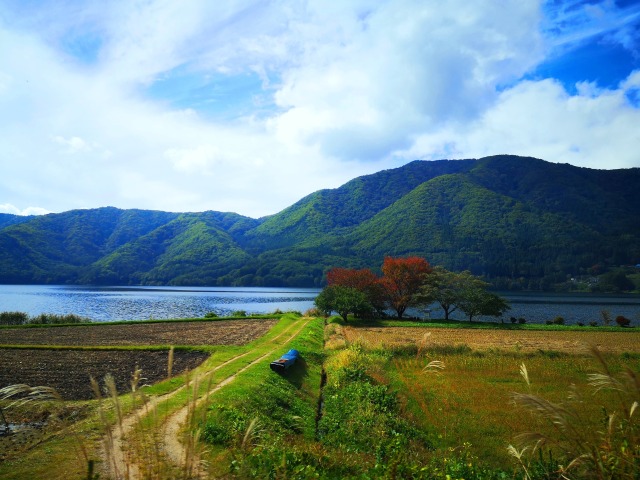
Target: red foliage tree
[[402, 280], [363, 280]]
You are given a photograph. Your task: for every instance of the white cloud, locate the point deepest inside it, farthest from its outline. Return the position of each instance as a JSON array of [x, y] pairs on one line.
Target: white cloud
[[72, 144], [541, 119], [13, 210], [402, 70], [358, 86]]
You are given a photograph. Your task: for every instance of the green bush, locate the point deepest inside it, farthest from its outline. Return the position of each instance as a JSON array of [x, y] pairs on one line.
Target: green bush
[[56, 319], [211, 315], [13, 318]]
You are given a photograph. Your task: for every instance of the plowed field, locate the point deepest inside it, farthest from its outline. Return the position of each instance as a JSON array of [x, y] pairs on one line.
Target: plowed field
[[226, 332], [69, 370]]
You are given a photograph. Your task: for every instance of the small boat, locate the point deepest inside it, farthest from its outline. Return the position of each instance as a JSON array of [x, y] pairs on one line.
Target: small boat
[[285, 361]]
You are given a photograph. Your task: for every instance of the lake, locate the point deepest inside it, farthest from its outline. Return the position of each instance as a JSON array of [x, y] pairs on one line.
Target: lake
[[144, 303]]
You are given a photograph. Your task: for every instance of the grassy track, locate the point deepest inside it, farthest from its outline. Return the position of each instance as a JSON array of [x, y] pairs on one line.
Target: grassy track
[[171, 428]]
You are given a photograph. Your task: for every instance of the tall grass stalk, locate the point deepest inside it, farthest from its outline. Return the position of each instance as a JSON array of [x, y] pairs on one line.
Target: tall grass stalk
[[609, 449], [170, 363], [30, 395]]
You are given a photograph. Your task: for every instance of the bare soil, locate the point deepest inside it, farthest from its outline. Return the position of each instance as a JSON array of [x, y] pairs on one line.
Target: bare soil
[[222, 332], [68, 370]]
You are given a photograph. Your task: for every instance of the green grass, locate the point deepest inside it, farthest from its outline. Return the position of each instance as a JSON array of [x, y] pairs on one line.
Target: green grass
[[442, 323], [386, 414], [262, 408], [130, 322]]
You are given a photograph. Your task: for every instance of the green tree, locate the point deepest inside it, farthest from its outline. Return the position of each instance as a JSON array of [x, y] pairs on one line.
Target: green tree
[[476, 300], [343, 300], [463, 291], [443, 287]]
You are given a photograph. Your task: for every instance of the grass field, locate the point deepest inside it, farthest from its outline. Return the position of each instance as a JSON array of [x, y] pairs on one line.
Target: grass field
[[467, 412]]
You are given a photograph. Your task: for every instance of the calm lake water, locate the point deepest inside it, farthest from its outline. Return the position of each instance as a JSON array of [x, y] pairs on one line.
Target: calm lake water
[[143, 303]]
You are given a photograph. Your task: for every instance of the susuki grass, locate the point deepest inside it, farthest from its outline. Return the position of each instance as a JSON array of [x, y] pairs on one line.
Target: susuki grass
[[588, 446]]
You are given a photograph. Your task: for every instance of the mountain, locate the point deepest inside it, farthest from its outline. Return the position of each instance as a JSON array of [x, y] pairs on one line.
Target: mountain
[[518, 221]]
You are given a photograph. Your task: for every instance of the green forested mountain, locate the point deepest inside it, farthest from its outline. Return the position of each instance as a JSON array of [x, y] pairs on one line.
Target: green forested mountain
[[520, 222]]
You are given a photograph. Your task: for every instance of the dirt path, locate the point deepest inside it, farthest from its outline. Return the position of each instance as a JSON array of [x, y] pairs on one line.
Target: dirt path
[[123, 467]]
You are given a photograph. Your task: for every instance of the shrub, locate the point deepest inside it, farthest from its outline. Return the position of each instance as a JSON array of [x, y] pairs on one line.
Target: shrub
[[522, 320], [558, 321], [314, 312], [593, 324], [239, 313], [211, 315], [623, 321], [57, 319], [513, 320], [606, 317], [580, 324], [13, 318]]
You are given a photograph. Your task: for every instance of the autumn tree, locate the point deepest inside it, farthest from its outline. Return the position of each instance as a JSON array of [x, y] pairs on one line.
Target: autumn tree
[[363, 280], [402, 278]]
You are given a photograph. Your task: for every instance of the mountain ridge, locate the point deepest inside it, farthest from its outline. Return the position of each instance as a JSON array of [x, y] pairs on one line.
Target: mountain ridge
[[504, 217]]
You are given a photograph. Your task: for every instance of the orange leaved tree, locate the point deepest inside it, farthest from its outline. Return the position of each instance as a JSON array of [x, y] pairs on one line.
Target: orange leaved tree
[[363, 280], [402, 278]]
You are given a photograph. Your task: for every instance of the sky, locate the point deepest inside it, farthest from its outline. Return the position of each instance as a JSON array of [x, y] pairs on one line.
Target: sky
[[247, 106]]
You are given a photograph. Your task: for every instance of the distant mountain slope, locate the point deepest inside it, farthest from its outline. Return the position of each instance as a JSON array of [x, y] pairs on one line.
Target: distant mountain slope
[[454, 222], [7, 219], [191, 249], [332, 212], [603, 198], [504, 217]]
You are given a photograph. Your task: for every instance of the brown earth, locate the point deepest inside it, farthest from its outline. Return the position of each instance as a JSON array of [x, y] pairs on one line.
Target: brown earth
[[68, 370], [223, 332], [573, 341]]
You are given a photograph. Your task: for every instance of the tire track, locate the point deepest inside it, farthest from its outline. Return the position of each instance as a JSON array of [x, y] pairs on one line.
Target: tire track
[[176, 449], [121, 466]]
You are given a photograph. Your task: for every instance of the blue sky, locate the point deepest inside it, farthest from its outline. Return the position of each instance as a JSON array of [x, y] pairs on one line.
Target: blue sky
[[248, 106]]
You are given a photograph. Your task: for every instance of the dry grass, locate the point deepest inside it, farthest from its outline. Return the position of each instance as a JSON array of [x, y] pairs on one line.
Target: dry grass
[[471, 400], [574, 342]]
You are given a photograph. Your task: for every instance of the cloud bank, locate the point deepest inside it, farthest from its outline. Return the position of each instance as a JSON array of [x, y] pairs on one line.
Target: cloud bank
[[247, 106]]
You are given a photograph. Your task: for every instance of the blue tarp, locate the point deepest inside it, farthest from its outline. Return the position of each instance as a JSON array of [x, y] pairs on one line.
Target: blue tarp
[[285, 361]]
